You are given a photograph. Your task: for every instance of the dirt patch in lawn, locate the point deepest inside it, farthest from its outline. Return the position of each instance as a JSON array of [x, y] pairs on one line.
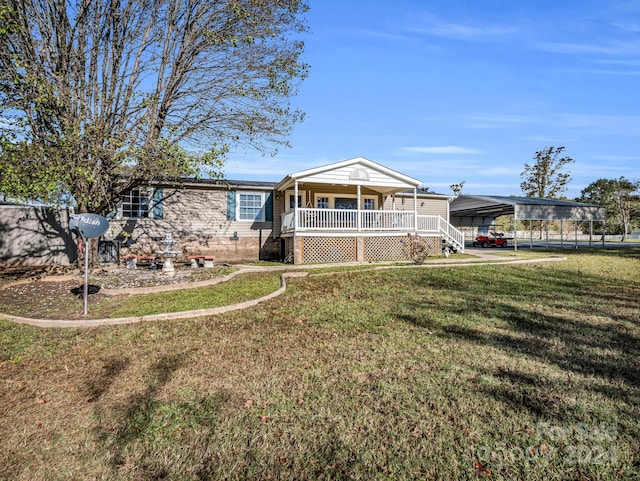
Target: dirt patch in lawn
[[58, 294]]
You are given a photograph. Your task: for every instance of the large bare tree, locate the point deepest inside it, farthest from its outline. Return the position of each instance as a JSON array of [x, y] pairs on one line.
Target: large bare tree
[[100, 96]]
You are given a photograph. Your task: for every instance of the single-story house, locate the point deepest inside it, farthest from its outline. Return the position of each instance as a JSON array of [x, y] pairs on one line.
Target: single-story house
[[350, 211]]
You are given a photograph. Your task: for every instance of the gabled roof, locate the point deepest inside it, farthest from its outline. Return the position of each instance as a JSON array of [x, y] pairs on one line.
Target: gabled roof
[[356, 171]]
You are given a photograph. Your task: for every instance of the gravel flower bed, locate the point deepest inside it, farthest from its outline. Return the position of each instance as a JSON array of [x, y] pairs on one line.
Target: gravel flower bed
[[119, 278]]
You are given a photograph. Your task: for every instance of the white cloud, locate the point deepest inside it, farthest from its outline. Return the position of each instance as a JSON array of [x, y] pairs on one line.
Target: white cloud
[[547, 139], [611, 48], [448, 149], [500, 121], [623, 73], [615, 158], [468, 31], [572, 123], [500, 171]]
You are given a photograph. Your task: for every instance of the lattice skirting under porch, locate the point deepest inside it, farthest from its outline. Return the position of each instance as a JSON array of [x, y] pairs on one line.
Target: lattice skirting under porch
[[317, 250], [389, 248]]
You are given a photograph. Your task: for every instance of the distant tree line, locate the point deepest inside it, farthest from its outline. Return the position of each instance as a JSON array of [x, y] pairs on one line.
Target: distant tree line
[[621, 201], [548, 177]]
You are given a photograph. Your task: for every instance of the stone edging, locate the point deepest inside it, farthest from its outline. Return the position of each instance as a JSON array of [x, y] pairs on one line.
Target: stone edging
[[154, 317], [233, 307]]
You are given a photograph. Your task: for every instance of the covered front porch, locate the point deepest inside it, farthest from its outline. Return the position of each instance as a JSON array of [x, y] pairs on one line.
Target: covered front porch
[[357, 210]]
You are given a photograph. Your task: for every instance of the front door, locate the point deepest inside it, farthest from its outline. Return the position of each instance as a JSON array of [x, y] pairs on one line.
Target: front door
[[346, 220]]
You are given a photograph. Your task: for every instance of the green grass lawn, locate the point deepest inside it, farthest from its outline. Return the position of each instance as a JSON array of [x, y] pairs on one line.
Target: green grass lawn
[[481, 372]]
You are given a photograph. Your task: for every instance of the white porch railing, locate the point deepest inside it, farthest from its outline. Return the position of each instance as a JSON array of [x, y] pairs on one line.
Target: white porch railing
[[340, 220], [370, 220], [387, 220]]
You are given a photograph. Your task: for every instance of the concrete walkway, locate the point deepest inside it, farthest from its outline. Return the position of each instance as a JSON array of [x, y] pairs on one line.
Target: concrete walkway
[[482, 256]]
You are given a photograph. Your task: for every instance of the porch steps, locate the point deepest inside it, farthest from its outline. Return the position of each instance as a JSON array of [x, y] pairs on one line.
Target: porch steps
[[451, 236]]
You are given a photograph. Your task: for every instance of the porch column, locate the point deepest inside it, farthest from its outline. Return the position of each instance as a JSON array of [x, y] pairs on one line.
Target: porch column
[[295, 206], [415, 210], [515, 231], [358, 211]]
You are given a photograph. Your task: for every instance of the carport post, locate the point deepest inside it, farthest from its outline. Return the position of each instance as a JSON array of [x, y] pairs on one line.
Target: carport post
[[590, 232], [515, 232], [561, 234], [530, 234], [546, 232]]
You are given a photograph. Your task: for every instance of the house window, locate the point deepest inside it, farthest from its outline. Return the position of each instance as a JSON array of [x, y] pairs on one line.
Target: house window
[[142, 204], [250, 206], [135, 205], [333, 201], [291, 202]]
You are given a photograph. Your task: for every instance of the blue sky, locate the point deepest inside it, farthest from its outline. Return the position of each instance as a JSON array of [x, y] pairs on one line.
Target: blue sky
[[450, 91]]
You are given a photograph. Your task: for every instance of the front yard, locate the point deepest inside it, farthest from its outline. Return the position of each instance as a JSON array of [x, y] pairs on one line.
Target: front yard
[[479, 372]]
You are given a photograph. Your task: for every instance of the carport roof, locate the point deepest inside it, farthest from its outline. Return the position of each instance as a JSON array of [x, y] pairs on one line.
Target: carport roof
[[525, 208]]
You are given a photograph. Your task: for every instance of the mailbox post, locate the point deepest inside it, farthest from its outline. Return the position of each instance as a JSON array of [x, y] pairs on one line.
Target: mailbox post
[[87, 226]]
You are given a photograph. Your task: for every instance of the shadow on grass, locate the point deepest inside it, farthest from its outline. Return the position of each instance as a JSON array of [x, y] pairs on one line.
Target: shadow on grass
[[581, 323], [102, 382], [146, 434]]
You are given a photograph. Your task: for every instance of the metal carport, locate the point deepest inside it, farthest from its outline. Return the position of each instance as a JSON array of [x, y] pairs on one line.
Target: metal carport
[[475, 210]]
